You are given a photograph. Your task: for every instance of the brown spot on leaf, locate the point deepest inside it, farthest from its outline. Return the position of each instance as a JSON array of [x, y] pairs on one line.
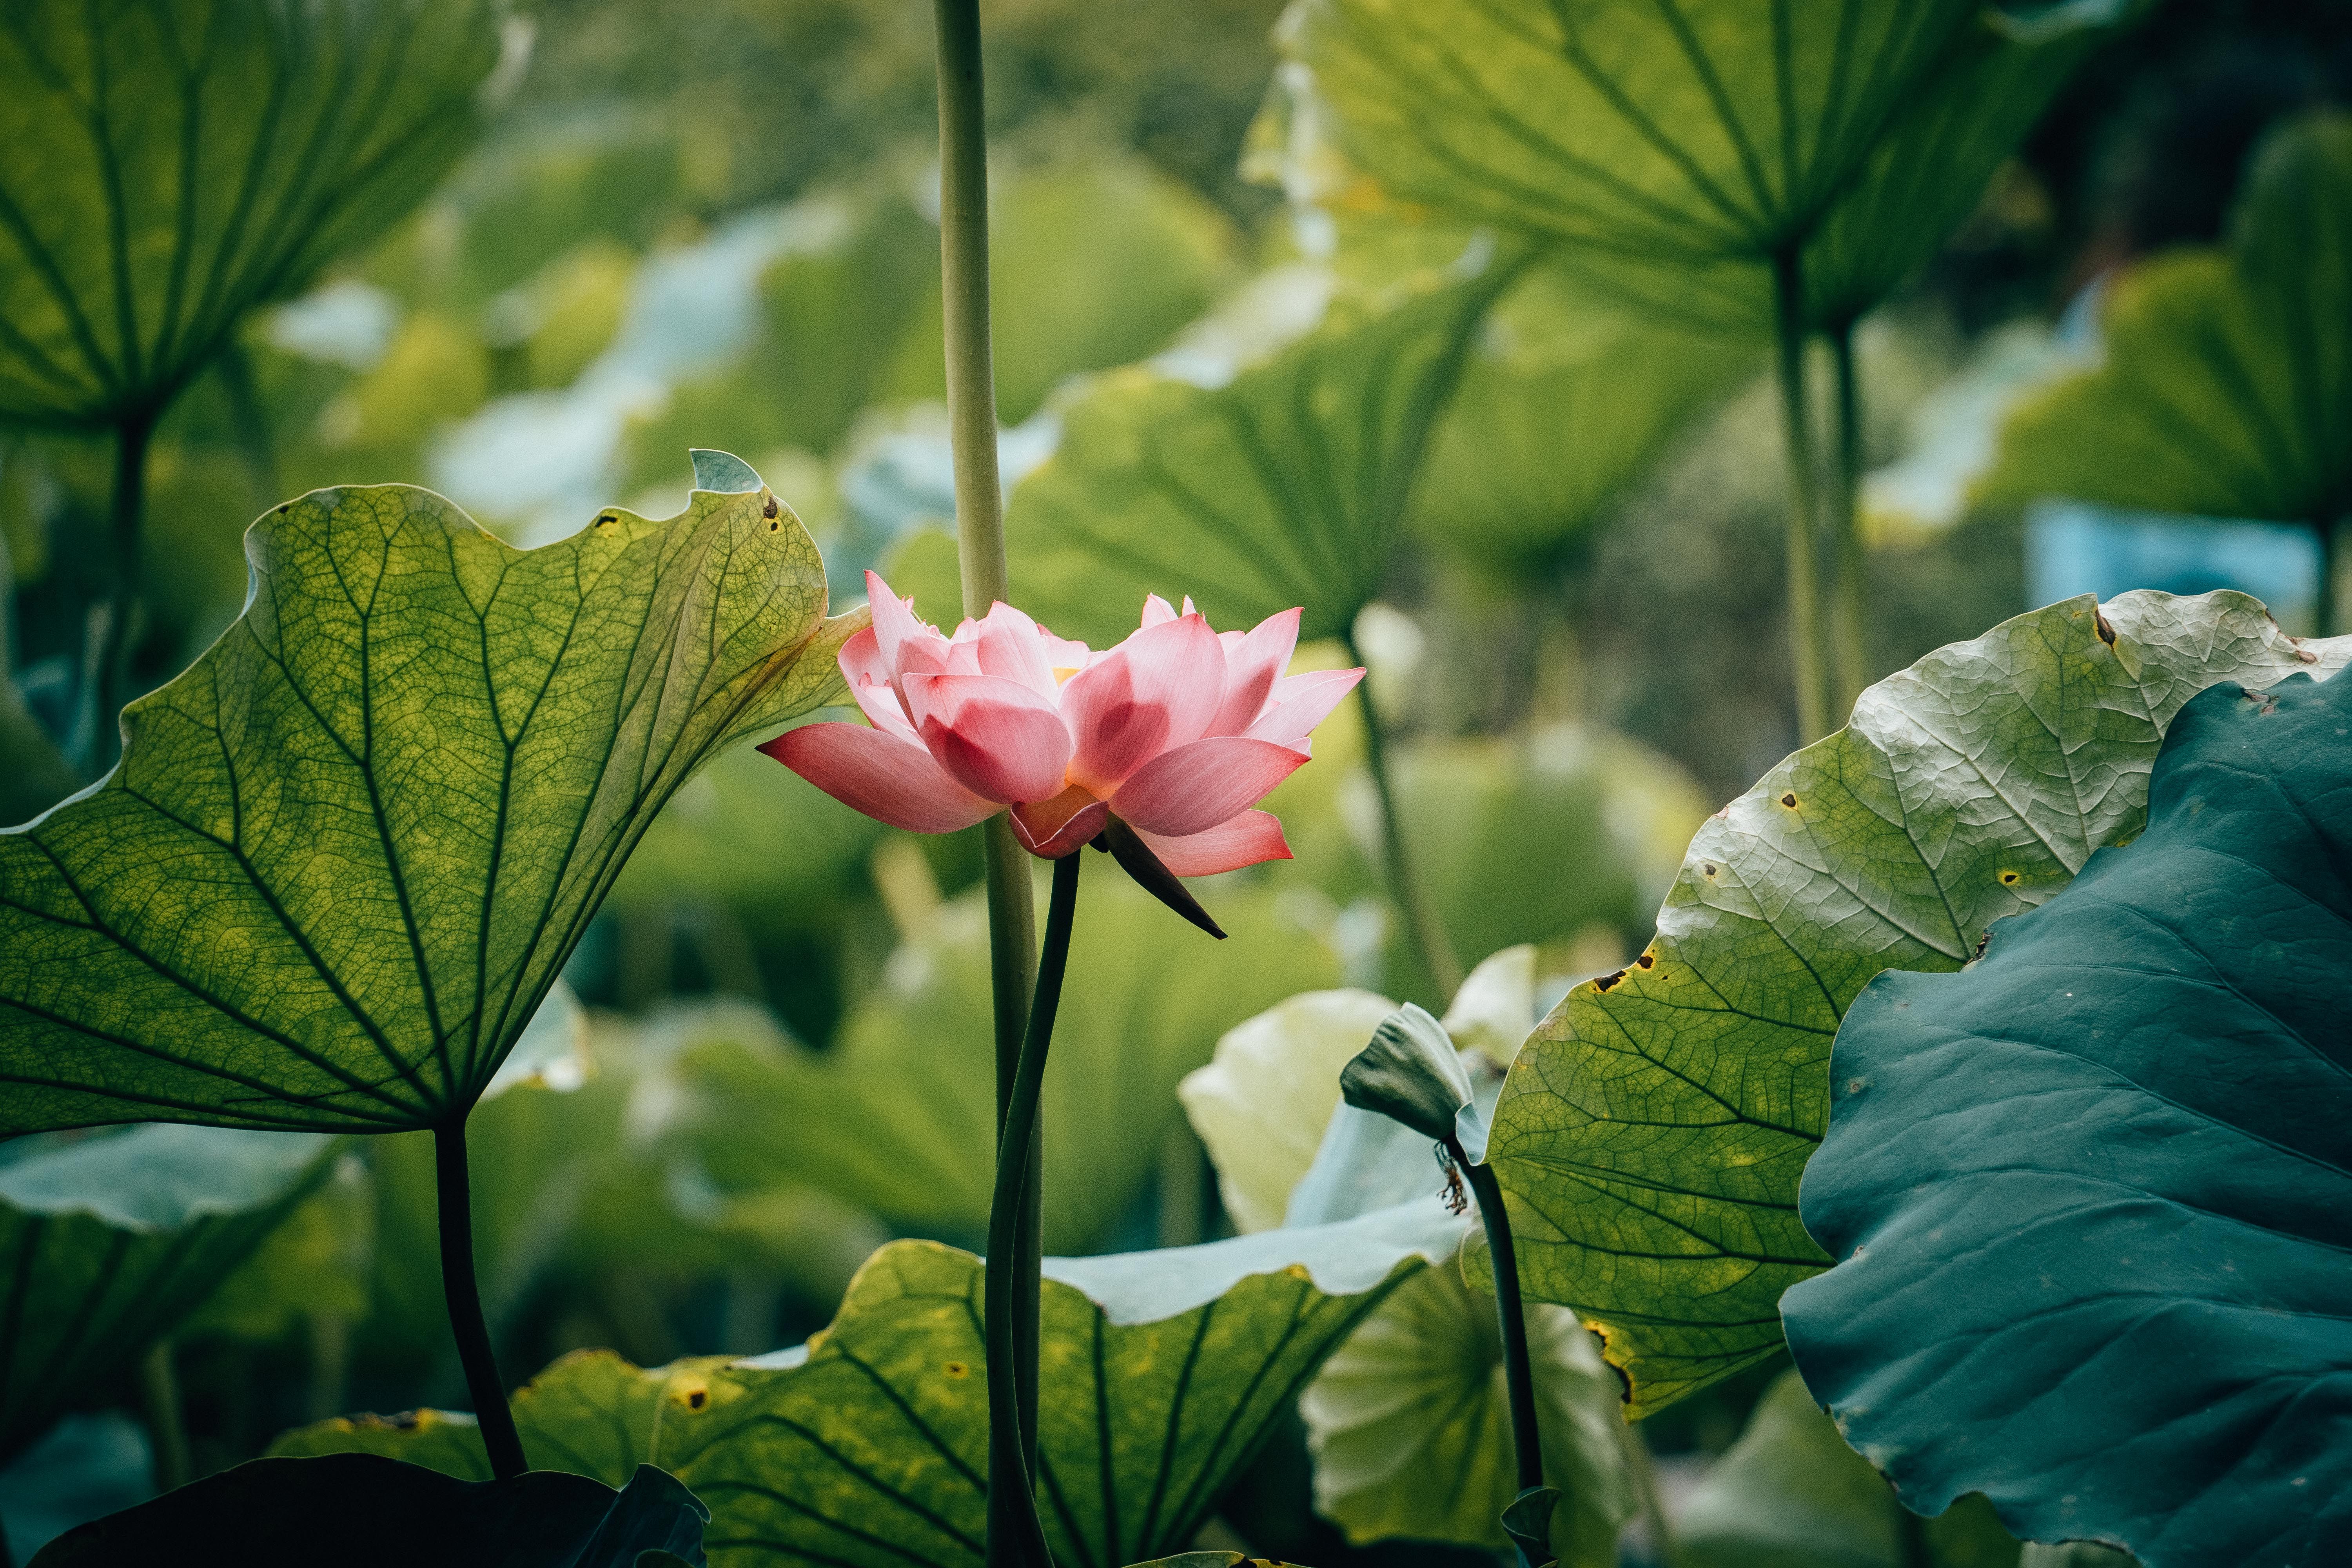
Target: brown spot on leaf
[[1647, 961], [958, 1369], [2009, 878], [1708, 867], [1789, 800], [2106, 629], [1606, 980]]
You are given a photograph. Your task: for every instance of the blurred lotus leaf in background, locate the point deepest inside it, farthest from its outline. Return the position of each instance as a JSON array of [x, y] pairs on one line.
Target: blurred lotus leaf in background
[[174, 165], [116, 1237], [899, 1114], [2226, 386], [1678, 148], [1791, 1494]]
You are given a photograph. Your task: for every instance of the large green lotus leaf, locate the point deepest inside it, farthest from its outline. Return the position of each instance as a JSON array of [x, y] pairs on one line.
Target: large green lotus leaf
[[1791, 1494], [1676, 145], [369, 1511], [347, 851], [173, 165], [1160, 1372], [112, 1240], [1287, 485], [1092, 264], [2227, 383], [758, 836], [2090, 1199], [1561, 404], [897, 1115], [1417, 1395], [1653, 1131]]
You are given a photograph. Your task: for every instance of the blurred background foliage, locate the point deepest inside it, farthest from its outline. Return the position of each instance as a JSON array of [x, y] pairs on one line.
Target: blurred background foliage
[[712, 225]]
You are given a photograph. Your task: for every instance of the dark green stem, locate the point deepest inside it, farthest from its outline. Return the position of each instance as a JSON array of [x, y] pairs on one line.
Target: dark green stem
[[1510, 1316], [1017, 1537], [2324, 607], [167, 1428], [1411, 895], [1852, 670], [106, 670], [489, 1392], [1804, 574]]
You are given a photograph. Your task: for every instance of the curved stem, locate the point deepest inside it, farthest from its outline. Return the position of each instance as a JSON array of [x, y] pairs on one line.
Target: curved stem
[[483, 1383], [1411, 895], [1804, 576], [105, 670], [166, 1423], [1852, 670], [1017, 1537], [1510, 1317]]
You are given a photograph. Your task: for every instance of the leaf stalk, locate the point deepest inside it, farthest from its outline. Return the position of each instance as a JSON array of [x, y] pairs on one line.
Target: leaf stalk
[[1511, 1319], [1421, 921], [1016, 1536], [1805, 631], [454, 1189], [106, 656], [1849, 667]]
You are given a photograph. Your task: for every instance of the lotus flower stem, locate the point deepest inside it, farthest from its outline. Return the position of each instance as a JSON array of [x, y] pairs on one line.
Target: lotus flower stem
[[1804, 574], [979, 552], [1017, 1537], [488, 1390], [1411, 895], [1849, 667]]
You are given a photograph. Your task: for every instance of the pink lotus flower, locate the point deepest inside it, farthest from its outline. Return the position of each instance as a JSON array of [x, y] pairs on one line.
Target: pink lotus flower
[[1179, 731]]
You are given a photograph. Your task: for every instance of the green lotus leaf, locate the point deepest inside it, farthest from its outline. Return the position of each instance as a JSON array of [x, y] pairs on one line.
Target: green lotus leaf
[[907, 1129], [1287, 485], [2090, 1198], [1562, 403], [867, 1447], [111, 1241], [1651, 1134], [2227, 379], [370, 1511], [1791, 1494], [1677, 146], [348, 850], [174, 165], [1411, 1428]]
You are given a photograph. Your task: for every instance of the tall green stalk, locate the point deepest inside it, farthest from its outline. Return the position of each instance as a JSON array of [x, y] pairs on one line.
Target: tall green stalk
[[1423, 924], [1016, 1536], [106, 661], [1848, 658], [1804, 573], [979, 552]]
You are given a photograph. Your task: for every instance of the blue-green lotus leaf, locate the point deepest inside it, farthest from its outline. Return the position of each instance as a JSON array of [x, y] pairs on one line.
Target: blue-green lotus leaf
[[2092, 1198]]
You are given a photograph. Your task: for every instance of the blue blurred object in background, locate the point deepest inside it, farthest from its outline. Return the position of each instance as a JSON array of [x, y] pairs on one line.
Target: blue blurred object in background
[[2076, 547]]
